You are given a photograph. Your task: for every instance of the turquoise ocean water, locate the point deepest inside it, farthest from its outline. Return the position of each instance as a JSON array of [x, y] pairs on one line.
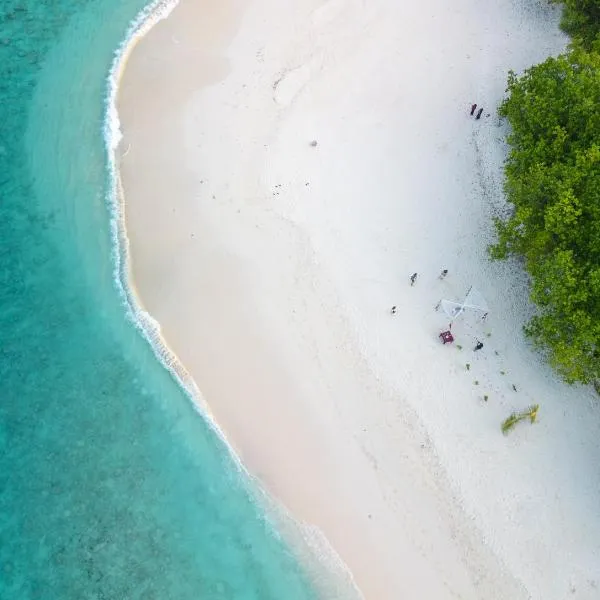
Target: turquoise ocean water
[[111, 484]]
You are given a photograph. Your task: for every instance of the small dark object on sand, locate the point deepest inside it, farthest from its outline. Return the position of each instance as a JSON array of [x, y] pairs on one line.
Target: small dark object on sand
[[446, 337], [313, 143], [478, 116], [443, 273], [393, 311], [413, 278], [478, 345], [473, 107]]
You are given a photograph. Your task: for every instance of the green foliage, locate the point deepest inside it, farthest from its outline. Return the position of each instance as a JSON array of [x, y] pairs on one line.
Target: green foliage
[[530, 413], [581, 19], [553, 181]]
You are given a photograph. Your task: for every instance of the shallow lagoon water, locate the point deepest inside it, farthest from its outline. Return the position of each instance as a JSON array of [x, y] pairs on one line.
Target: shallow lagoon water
[[111, 484]]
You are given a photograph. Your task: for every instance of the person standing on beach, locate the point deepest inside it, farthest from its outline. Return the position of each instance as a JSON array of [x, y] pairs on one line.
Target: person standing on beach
[[479, 114], [478, 346], [473, 107], [393, 311], [443, 274], [413, 278]]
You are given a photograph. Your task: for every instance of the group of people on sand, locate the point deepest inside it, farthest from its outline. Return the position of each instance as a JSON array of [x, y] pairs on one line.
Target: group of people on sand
[[442, 275], [413, 279], [479, 112]]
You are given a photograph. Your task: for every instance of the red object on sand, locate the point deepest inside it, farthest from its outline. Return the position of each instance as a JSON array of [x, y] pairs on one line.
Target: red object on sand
[[446, 337]]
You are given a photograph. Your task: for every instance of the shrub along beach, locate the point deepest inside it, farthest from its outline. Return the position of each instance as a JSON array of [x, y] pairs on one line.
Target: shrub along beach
[[553, 183]]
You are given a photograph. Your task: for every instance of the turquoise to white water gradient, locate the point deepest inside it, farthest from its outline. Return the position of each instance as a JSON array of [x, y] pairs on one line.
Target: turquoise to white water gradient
[[111, 485]]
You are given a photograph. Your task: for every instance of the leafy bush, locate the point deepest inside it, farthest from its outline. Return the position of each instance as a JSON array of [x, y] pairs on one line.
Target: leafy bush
[[581, 19], [514, 418], [553, 181]]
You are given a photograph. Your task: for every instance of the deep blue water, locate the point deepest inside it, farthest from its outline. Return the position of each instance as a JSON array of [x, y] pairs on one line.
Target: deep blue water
[[111, 485]]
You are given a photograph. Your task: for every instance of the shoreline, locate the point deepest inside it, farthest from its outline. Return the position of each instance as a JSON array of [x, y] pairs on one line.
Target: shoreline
[[320, 295], [330, 572], [301, 521], [142, 24]]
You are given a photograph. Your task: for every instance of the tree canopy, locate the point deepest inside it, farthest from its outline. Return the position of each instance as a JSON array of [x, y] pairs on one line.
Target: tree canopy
[[553, 182], [581, 19]]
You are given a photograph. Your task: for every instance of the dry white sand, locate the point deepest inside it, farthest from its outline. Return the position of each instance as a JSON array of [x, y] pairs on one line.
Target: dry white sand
[[272, 264]]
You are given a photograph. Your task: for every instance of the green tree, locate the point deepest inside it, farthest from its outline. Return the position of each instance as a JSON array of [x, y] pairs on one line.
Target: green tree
[[553, 182], [581, 19]]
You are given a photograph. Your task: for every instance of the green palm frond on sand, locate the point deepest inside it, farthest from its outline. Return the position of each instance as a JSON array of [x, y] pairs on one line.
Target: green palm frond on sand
[[530, 413]]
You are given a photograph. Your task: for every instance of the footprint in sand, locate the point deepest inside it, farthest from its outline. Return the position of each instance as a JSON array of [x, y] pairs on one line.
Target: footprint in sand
[[290, 84]]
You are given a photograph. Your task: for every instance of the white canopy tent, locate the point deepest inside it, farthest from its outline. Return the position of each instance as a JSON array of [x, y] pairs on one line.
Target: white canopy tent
[[473, 301]]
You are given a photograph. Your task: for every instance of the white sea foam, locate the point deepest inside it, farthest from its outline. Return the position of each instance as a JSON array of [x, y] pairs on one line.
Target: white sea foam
[[334, 577], [148, 326], [328, 571]]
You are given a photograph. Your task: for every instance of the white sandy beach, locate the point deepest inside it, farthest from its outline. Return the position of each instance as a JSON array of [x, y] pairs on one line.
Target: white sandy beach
[[271, 266]]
